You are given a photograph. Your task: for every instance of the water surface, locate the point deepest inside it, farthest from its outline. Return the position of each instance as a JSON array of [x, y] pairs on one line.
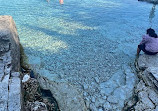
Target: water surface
[[81, 39]]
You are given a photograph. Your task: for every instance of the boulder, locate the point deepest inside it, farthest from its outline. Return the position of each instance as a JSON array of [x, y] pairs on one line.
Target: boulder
[[147, 88], [67, 95], [10, 82], [9, 41]]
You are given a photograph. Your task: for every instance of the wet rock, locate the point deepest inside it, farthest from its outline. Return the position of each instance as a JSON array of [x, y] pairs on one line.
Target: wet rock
[[67, 96]]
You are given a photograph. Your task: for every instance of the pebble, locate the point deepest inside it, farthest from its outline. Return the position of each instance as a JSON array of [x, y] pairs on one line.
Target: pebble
[[96, 79], [85, 86], [100, 109], [93, 99]]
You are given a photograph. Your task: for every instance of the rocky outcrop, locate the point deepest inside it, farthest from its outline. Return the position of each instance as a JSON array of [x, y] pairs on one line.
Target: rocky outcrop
[[110, 95], [146, 90], [10, 82], [67, 96], [150, 1]]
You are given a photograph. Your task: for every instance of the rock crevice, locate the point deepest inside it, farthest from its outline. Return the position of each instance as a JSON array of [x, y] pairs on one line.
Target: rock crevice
[[146, 90]]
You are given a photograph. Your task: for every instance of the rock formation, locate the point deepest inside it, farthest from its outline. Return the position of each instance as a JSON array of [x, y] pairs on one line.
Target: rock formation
[[150, 1], [10, 83], [146, 90]]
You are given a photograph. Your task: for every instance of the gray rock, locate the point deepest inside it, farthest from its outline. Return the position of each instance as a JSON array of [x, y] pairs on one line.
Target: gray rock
[[113, 99], [150, 1], [145, 61], [9, 40], [15, 74], [15, 102], [36, 106], [67, 96], [4, 93]]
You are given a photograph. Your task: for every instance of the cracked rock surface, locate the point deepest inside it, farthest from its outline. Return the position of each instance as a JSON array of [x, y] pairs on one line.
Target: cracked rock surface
[[147, 88], [10, 83]]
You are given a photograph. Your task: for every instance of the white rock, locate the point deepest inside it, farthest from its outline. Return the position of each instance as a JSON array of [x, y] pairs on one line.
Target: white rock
[[104, 97], [26, 78], [14, 102], [93, 99], [96, 79]]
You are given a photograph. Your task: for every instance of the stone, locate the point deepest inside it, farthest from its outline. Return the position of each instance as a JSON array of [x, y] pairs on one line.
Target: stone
[[145, 61], [26, 78], [15, 74], [15, 100], [4, 93], [96, 79], [9, 40], [36, 106], [93, 99], [85, 86], [107, 106], [93, 107], [100, 109], [153, 96], [145, 100], [150, 1], [113, 99], [72, 99]]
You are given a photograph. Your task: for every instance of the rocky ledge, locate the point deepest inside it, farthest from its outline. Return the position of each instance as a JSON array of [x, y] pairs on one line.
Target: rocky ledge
[[18, 91], [150, 1], [10, 82], [146, 91]]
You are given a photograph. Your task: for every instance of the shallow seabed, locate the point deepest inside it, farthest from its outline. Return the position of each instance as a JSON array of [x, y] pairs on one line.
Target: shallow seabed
[[89, 43]]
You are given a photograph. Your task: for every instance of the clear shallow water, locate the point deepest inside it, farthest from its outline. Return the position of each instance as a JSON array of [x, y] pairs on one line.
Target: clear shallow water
[[81, 36], [81, 39]]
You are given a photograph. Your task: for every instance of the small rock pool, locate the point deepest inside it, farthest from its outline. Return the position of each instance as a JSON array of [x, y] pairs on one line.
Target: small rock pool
[[88, 43]]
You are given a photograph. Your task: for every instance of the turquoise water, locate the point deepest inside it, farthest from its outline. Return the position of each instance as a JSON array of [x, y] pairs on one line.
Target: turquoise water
[[80, 31], [81, 39]]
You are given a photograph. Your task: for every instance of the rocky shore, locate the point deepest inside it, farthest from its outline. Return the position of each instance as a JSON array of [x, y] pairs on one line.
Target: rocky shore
[[146, 91], [19, 90], [120, 91], [150, 1]]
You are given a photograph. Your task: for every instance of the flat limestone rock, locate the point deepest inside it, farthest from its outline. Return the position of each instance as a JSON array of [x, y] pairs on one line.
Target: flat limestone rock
[[67, 96], [145, 61]]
